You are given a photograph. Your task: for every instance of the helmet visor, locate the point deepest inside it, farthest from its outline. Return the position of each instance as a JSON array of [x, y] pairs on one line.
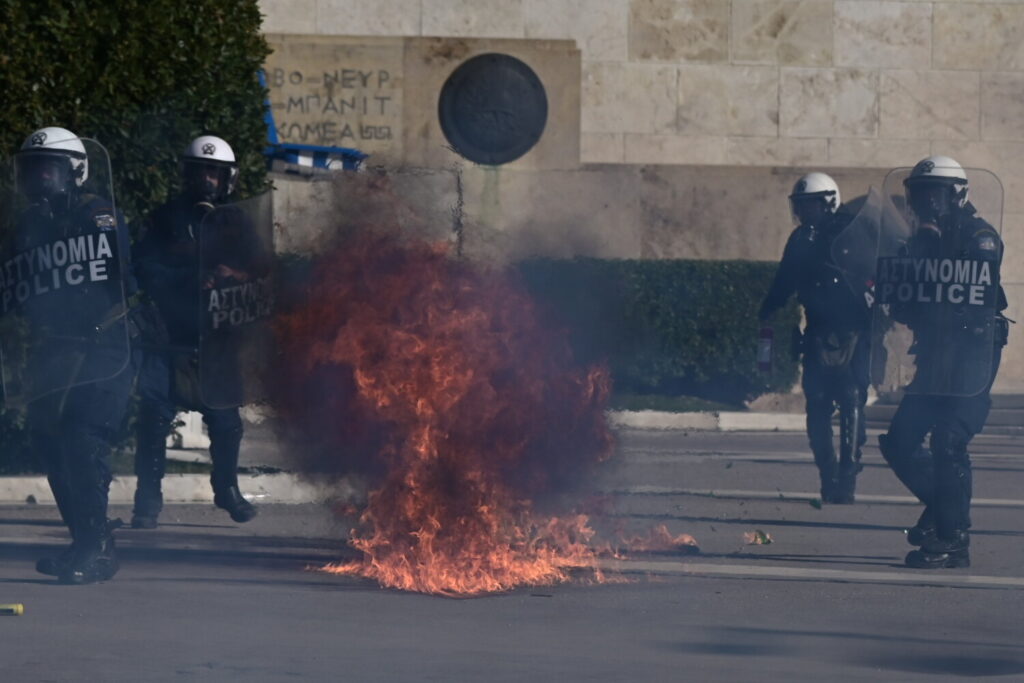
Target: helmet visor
[[931, 200], [206, 181], [809, 209], [43, 175]]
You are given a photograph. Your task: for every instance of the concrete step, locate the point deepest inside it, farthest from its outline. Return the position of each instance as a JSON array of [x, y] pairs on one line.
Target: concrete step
[[1003, 417], [999, 401], [1009, 401]]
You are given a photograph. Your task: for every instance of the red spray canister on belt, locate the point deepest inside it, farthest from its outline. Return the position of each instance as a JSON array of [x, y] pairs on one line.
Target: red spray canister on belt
[[764, 349]]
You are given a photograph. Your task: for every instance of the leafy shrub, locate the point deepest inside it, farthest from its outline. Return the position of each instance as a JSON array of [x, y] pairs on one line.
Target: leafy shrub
[[669, 326], [141, 76]]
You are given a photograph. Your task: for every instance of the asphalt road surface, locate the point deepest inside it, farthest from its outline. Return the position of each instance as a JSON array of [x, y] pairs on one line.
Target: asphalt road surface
[[201, 598]]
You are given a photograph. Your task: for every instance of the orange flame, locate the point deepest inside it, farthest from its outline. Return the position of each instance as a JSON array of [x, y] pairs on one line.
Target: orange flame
[[660, 539], [468, 409]]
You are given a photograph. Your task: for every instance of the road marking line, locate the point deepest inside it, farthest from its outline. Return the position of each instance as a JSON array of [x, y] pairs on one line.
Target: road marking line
[[838, 575], [794, 495], [666, 457], [280, 487]]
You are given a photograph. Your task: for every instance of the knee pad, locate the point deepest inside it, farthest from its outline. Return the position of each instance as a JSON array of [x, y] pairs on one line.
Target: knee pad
[[950, 448]]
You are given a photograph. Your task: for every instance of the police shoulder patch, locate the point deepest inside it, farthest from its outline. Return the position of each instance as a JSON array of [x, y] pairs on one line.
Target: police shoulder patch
[[105, 221], [987, 242]]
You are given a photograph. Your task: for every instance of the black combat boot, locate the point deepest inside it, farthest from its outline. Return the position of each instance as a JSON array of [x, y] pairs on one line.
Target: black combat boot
[[942, 553], [150, 464], [924, 531], [148, 504], [94, 557], [55, 566], [225, 428], [846, 484], [828, 489], [825, 459], [951, 510], [849, 450], [231, 499]]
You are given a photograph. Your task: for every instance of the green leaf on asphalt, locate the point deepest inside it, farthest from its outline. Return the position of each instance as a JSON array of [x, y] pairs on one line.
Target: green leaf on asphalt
[[757, 537]]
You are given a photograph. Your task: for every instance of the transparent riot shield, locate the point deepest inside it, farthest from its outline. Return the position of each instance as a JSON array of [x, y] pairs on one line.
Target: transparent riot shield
[[236, 302], [936, 289], [63, 319], [855, 250]]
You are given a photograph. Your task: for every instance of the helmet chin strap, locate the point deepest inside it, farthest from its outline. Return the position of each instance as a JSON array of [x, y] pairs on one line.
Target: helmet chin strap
[[203, 195]]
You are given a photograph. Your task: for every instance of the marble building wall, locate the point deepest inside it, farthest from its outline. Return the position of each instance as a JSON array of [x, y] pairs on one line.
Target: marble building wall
[[769, 82], [686, 104]]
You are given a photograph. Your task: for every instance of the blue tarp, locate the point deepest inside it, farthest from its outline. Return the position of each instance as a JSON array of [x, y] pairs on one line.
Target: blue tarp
[[296, 158]]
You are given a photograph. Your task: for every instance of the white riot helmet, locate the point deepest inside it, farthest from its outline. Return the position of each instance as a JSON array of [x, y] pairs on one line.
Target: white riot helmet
[[208, 169], [51, 162], [814, 196], [935, 187], [818, 185]]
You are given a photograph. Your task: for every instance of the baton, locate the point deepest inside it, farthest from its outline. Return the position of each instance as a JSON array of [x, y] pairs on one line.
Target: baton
[[12, 610]]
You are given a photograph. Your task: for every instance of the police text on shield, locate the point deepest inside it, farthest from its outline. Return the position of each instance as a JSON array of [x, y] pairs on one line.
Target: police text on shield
[[961, 282], [239, 304], [64, 263]]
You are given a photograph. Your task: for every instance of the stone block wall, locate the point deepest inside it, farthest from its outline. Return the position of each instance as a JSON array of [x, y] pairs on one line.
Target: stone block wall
[[831, 83]]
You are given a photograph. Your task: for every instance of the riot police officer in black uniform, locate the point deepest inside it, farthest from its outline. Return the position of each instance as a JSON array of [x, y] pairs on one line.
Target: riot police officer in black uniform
[[78, 366], [835, 342], [957, 350], [168, 267]]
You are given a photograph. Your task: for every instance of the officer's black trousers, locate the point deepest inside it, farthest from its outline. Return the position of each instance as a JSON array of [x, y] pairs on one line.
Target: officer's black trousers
[[940, 477], [157, 408], [825, 388], [73, 431]]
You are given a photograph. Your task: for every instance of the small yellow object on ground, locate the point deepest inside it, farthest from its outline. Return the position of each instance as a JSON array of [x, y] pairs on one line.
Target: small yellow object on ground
[[13, 610]]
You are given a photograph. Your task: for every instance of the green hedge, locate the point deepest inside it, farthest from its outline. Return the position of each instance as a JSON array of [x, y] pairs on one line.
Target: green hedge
[[141, 76], [669, 326]]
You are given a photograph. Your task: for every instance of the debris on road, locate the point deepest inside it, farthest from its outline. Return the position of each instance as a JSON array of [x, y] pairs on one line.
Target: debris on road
[[757, 537]]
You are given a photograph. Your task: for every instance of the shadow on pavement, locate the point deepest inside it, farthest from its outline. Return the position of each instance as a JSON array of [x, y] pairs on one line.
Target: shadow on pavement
[[945, 665], [888, 652], [32, 522], [795, 523], [866, 560]]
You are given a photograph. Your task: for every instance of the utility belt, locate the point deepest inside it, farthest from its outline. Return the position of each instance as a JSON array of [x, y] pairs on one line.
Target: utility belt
[[1002, 331], [830, 349], [182, 358], [147, 326], [126, 311]]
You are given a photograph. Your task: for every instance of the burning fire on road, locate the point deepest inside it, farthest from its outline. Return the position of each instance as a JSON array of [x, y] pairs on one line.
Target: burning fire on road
[[436, 380], [464, 405]]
